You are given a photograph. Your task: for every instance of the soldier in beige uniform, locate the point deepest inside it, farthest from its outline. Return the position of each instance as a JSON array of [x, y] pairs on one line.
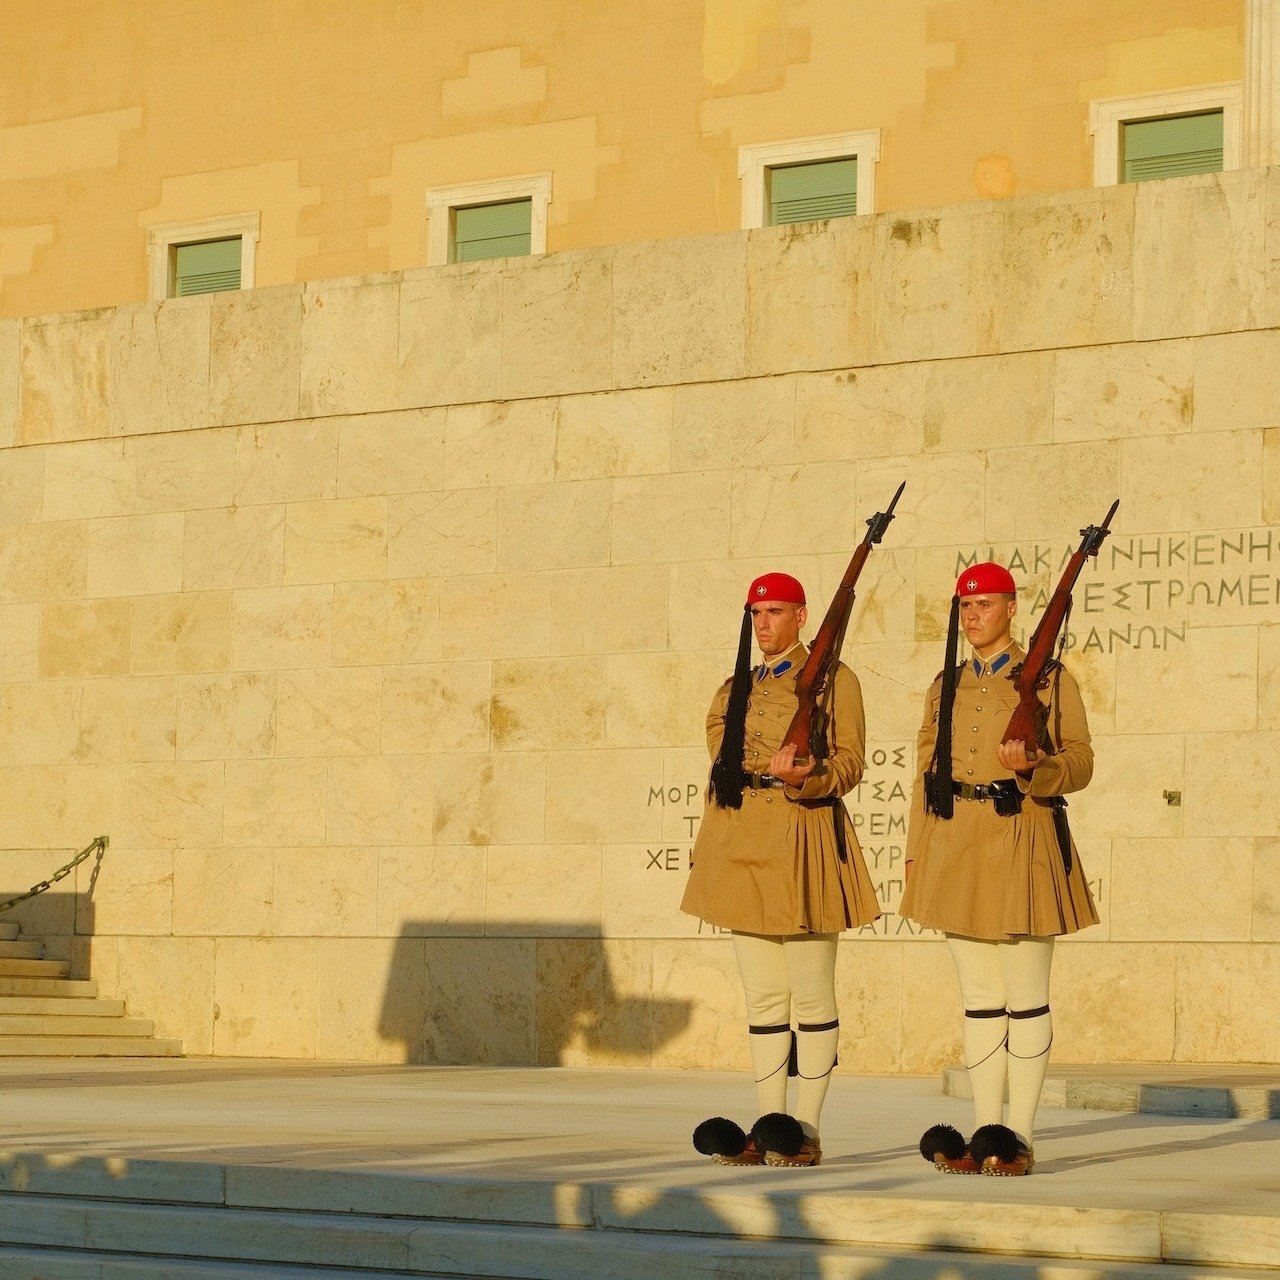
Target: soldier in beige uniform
[[1000, 875], [777, 862]]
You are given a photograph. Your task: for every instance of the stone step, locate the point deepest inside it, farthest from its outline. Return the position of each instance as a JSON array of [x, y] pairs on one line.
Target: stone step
[[72, 1024], [85, 1006], [34, 968], [21, 950], [9, 929], [88, 1046], [54, 988]]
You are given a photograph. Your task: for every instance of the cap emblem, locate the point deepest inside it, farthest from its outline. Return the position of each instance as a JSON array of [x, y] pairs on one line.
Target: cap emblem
[[762, 590], [972, 584]]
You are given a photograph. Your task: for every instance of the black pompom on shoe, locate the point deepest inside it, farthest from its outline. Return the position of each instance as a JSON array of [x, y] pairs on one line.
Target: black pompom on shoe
[[719, 1137], [778, 1132], [1000, 1153], [941, 1140]]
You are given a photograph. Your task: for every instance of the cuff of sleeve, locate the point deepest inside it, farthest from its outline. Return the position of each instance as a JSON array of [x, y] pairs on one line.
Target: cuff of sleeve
[[1046, 780]]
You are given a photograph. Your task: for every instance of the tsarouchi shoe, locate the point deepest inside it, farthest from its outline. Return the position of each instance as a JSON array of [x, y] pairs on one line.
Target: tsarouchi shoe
[[725, 1142], [946, 1149], [1000, 1153], [783, 1142]]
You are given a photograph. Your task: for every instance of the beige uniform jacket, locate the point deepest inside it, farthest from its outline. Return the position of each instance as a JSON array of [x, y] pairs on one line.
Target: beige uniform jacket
[[774, 866], [981, 875]]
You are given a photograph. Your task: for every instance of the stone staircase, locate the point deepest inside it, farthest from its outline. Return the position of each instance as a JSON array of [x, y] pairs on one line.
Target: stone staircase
[[46, 1014]]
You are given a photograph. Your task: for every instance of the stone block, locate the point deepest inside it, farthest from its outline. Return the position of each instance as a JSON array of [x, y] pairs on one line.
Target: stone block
[[679, 309], [659, 699], [39, 722], [1126, 794], [620, 433], [1237, 384], [691, 1034], [89, 799], [988, 402], [492, 799], [255, 355], [21, 484], [222, 892], [132, 719], [275, 803], [860, 413], [500, 442], [607, 611], [287, 462], [89, 478], [941, 505], [1268, 677], [266, 998], [385, 453], [184, 471], [1199, 255], [705, 601], [329, 712], [372, 992], [350, 340], [133, 555], [381, 800], [809, 295], [442, 533], [1129, 390], [64, 378], [617, 782], [450, 343], [225, 717], [10, 377], [670, 518], [595, 1003], [480, 1001], [230, 547], [640, 891], [1220, 798], [1226, 1003], [869, 999], [734, 424], [931, 1008], [324, 893], [335, 540], [1053, 489], [441, 707], [554, 526], [884, 600], [19, 641], [172, 803], [1188, 890], [778, 510], [493, 616], [1228, 476], [390, 622], [537, 891], [548, 703], [84, 638], [1271, 476], [429, 891], [43, 561], [182, 633], [281, 627], [133, 893], [171, 981], [1265, 923], [158, 367], [557, 317]]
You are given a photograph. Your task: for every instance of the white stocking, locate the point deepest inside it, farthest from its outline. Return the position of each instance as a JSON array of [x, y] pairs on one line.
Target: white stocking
[[986, 1024], [811, 964], [1026, 966], [762, 966]]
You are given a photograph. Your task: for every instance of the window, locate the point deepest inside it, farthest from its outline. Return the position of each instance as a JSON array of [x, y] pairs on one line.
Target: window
[[202, 257], [808, 178], [1167, 134], [503, 218]]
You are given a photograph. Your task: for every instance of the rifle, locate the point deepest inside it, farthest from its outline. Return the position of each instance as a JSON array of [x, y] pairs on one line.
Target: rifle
[[808, 728], [1028, 722]]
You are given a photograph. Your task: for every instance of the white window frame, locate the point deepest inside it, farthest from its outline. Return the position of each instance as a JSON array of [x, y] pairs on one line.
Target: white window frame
[[1106, 115], [756, 157], [164, 238], [442, 201]]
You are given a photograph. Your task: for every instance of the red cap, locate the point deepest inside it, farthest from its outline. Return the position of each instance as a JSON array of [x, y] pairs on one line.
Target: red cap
[[775, 586], [986, 579]]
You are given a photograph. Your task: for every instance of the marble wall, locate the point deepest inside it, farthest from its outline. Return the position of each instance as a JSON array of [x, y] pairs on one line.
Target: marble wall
[[375, 620]]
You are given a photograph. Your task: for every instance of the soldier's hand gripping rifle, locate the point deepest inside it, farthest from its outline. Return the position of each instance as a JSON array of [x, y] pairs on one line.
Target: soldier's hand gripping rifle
[[808, 729], [1028, 722]]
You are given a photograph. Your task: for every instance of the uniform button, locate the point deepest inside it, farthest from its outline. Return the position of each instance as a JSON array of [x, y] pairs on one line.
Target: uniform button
[[969, 772], [983, 689], [974, 729], [973, 751]]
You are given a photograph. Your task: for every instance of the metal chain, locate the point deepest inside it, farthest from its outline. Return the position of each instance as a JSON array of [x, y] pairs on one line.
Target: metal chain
[[99, 845]]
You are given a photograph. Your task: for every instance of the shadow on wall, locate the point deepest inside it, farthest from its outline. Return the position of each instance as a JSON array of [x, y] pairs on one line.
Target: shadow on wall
[[62, 922], [520, 993]]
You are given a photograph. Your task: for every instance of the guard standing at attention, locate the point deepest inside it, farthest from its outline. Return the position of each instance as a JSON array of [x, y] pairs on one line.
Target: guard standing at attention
[[991, 864], [777, 862]]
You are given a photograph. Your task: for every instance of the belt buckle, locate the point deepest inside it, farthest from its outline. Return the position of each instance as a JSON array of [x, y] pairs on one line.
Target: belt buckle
[[968, 791]]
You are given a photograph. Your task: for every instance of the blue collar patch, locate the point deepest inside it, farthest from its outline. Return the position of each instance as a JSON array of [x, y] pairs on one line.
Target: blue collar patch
[[776, 671], [995, 666]]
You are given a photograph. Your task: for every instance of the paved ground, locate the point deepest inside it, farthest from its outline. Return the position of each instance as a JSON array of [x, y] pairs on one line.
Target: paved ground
[[594, 1125]]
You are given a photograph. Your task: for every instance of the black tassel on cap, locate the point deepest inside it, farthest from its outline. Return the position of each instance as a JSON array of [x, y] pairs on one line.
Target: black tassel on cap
[[727, 778], [937, 780]]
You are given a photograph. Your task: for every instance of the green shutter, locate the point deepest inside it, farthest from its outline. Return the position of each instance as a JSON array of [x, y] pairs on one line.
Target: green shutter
[[1173, 146], [206, 268], [807, 192], [493, 231]]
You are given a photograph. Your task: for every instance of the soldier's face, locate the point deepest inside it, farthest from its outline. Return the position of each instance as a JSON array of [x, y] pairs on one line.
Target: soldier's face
[[986, 620], [777, 625]]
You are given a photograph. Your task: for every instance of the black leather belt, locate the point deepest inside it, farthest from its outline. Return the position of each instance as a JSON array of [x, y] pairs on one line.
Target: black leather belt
[[981, 790], [763, 781]]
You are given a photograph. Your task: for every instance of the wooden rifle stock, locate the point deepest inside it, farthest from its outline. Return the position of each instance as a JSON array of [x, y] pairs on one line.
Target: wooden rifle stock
[[1027, 724], [808, 730]]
